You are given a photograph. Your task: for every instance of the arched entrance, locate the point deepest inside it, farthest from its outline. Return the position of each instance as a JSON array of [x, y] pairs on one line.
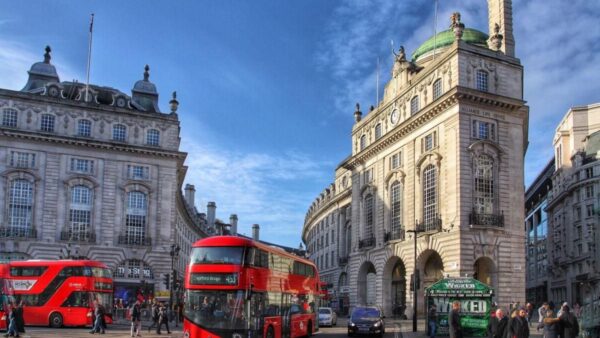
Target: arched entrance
[[431, 270], [367, 284], [394, 287], [343, 301], [485, 271]]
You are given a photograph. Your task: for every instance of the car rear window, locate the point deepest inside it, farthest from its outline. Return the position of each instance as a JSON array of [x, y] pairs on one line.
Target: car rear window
[[325, 311]]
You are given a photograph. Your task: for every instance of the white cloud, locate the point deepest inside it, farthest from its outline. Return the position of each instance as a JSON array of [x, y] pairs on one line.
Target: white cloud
[[267, 189]]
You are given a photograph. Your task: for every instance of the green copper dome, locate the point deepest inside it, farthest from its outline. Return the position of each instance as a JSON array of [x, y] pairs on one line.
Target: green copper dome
[[446, 38]]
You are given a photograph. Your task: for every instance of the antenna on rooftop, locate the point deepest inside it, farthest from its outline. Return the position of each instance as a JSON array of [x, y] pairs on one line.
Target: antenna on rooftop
[[89, 60]]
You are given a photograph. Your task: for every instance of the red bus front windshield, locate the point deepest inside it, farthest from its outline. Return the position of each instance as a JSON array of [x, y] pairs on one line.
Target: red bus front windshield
[[216, 309]]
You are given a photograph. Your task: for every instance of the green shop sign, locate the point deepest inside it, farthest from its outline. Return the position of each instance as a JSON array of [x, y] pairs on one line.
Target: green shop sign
[[475, 298]]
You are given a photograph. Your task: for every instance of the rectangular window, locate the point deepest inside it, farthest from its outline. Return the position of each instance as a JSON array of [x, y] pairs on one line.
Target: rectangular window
[[414, 105], [589, 172], [589, 210], [47, 123], [396, 160], [429, 142], [437, 89], [84, 128], [484, 130], [482, 80], [22, 160], [82, 166], [138, 172], [589, 191], [577, 213], [9, 118], [368, 176], [119, 133]]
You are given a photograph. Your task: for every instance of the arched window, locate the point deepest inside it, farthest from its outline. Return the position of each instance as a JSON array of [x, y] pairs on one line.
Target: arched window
[[414, 105], [84, 128], [484, 185], [119, 132], [482, 80], [368, 216], [396, 209], [153, 137], [378, 131], [20, 207], [429, 197], [80, 214], [135, 222], [437, 89], [363, 142]]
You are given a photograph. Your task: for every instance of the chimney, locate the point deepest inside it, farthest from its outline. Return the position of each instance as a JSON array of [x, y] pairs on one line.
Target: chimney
[[190, 194], [255, 232], [233, 220], [211, 210]]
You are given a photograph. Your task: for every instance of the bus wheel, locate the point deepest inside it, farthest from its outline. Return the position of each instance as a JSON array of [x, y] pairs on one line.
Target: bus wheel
[[270, 333], [309, 329], [56, 320]]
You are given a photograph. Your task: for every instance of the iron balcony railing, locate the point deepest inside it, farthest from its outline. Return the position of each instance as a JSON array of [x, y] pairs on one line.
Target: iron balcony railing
[[494, 220], [134, 240], [17, 232], [394, 235], [432, 225], [366, 243], [342, 261], [78, 236]]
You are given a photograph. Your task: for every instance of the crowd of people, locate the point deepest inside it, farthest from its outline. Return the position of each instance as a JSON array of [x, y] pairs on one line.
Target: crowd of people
[[560, 324]]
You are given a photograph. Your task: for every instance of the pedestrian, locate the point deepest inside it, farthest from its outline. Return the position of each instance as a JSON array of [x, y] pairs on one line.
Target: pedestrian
[[136, 319], [570, 325], [19, 320], [577, 310], [455, 329], [432, 317], [154, 312], [98, 320], [11, 330], [551, 325], [163, 318], [497, 325], [529, 308], [517, 326], [542, 314]]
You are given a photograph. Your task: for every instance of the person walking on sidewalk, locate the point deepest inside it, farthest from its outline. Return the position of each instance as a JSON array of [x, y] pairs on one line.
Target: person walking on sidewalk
[[497, 325], [154, 311], [163, 318], [136, 319], [454, 321], [432, 320], [11, 330], [518, 326], [98, 318]]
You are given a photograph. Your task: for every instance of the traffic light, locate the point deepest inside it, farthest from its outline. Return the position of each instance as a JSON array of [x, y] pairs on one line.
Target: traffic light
[[412, 280], [174, 278], [167, 281]]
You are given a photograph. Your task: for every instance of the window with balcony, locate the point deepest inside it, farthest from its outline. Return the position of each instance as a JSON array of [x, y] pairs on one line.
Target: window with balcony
[[396, 210], [429, 195], [135, 221], [80, 214], [20, 208], [368, 208], [484, 184]]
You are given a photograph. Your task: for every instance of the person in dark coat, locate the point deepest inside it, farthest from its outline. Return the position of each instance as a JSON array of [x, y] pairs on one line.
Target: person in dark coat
[[432, 317], [163, 318], [569, 323], [19, 320], [518, 326], [550, 324], [455, 329], [497, 325]]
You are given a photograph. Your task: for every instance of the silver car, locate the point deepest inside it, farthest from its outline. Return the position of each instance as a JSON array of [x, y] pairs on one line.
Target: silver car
[[327, 317]]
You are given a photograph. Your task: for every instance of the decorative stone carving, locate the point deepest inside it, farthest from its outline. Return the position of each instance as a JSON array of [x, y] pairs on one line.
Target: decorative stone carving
[[495, 41], [457, 26]]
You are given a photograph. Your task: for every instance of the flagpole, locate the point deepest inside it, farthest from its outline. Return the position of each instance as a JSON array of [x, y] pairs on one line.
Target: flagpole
[[89, 60], [377, 102], [435, 28]]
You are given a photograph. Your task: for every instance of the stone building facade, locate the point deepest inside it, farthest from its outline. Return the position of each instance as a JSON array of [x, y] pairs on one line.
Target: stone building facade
[[442, 154], [88, 171], [573, 209], [536, 228]]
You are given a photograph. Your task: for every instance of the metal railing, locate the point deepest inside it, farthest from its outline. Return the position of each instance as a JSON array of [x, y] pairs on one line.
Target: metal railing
[[17, 232], [78, 236], [486, 219], [134, 240], [394, 235], [433, 225], [366, 243]]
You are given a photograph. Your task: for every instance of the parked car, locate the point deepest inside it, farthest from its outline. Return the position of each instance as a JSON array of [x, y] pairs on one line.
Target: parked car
[[327, 317], [366, 320]]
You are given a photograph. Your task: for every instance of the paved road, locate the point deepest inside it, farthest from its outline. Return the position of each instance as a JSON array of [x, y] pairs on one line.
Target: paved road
[[394, 329]]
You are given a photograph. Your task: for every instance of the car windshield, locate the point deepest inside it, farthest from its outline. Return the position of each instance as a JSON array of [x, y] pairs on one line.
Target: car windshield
[[363, 313], [324, 311], [217, 255]]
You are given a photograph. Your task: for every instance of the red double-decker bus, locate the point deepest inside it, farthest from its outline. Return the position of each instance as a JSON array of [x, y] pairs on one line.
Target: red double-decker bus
[[59, 293], [4, 297], [237, 287]]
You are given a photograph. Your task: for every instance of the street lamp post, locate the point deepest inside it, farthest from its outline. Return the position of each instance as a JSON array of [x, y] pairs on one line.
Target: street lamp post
[[415, 278], [174, 254]]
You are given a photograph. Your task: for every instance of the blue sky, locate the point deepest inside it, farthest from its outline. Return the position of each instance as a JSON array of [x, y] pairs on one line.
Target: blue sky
[[267, 88]]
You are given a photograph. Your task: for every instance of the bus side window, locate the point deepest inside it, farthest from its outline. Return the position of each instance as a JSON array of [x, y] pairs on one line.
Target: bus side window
[[250, 257]]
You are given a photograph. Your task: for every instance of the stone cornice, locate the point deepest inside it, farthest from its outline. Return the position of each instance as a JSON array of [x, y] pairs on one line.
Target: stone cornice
[[432, 110], [92, 144], [77, 105]]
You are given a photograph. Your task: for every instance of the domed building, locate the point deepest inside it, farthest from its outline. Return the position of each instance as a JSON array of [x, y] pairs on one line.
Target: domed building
[[434, 185]]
